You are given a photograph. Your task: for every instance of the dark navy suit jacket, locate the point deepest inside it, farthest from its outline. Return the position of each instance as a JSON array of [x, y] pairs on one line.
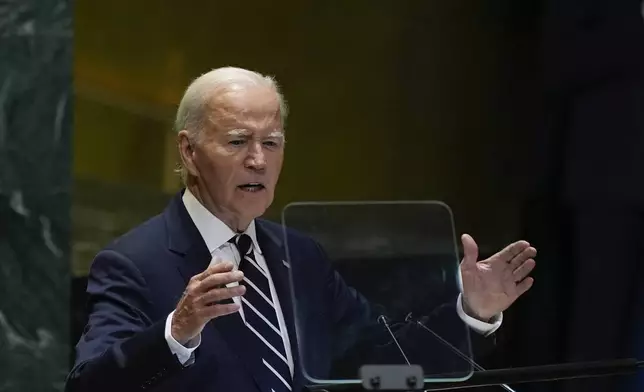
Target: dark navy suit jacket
[[135, 282]]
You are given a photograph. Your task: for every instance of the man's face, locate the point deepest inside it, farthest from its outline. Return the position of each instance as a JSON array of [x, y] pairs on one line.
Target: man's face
[[240, 152]]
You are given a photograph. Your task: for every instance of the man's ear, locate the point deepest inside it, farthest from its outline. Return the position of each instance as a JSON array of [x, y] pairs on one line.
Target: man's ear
[[187, 152]]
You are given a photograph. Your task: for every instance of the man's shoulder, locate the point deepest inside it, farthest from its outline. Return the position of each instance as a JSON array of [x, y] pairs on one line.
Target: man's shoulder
[[147, 240]]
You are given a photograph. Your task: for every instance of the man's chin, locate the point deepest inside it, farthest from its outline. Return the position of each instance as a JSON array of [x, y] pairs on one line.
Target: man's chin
[[253, 208]]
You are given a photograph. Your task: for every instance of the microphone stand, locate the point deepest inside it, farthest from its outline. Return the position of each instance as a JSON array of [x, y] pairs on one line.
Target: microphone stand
[[454, 349]]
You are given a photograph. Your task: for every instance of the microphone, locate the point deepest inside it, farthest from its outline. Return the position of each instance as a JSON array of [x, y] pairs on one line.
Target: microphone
[[383, 320], [455, 350]]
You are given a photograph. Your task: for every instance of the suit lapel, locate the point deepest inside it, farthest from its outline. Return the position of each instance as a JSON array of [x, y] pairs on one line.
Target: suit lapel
[[275, 256], [185, 240]]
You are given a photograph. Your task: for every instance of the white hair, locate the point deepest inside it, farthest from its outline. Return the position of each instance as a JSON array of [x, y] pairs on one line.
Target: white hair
[[192, 113]]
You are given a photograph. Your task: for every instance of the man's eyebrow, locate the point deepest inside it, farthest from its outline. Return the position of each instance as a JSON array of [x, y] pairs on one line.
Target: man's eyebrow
[[246, 132], [238, 132], [278, 134]]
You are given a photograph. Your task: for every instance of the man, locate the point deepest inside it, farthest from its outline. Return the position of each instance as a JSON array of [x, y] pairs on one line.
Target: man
[[166, 310]]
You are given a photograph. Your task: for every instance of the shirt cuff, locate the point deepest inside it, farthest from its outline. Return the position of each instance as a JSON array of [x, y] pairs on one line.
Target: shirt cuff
[[185, 354], [479, 326]]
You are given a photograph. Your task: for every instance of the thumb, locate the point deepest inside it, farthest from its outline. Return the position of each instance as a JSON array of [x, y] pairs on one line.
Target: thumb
[[470, 250]]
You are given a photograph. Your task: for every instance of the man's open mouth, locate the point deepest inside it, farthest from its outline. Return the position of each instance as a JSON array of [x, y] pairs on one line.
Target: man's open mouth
[[251, 187]]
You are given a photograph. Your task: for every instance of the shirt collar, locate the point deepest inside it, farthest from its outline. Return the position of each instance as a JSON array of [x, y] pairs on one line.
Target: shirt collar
[[214, 232]]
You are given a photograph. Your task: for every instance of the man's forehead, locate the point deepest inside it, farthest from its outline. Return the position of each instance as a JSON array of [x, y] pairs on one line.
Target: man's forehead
[[246, 123], [253, 109]]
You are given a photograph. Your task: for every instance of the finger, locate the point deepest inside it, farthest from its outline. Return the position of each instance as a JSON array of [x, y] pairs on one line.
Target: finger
[[524, 285], [214, 311], [216, 268], [523, 270], [470, 250], [216, 295], [519, 259], [512, 250], [219, 279]]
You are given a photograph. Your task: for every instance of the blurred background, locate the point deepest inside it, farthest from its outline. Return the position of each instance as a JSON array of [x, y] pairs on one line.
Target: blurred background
[[526, 118]]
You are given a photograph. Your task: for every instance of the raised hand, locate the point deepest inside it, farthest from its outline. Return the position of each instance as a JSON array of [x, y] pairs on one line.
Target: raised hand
[[490, 286], [200, 301]]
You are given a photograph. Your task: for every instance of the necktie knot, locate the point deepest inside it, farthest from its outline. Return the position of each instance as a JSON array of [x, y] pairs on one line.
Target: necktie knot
[[243, 243]]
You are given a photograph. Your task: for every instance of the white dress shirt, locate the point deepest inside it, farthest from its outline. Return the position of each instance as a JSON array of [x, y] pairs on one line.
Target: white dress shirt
[[216, 234]]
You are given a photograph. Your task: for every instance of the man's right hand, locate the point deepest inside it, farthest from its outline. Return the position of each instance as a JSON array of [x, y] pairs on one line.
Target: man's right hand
[[199, 303]]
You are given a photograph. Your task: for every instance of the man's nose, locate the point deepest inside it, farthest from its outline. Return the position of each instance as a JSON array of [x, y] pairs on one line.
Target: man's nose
[[256, 157]]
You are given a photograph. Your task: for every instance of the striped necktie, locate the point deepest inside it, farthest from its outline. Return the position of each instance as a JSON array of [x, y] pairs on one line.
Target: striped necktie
[[260, 316]]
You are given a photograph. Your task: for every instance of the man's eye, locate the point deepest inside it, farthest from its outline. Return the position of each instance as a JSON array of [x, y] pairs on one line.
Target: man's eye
[[237, 142], [271, 143]]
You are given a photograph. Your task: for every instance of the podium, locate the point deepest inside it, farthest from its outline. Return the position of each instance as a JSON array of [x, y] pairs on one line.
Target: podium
[[403, 331]]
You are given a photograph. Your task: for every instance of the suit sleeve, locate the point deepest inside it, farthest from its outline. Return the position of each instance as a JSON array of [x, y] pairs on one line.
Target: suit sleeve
[[121, 349]]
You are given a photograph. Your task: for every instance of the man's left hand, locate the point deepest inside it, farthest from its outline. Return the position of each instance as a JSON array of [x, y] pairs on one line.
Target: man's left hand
[[490, 286]]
